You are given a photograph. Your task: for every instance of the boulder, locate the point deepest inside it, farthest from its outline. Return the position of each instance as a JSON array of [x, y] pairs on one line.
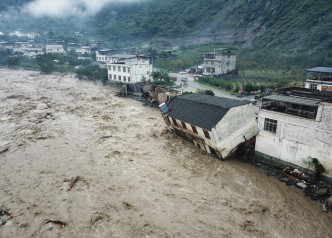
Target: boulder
[[42, 106]]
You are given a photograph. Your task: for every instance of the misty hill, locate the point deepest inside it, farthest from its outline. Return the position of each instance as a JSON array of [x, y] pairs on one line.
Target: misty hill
[[286, 26]]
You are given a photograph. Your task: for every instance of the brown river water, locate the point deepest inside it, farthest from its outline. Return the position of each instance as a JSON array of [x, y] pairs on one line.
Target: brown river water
[[136, 180]]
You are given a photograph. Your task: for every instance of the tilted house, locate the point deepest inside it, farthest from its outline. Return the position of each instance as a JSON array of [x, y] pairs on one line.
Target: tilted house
[[215, 124], [295, 124]]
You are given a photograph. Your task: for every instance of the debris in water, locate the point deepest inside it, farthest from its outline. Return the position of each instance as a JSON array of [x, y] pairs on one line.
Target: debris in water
[[72, 183], [3, 149], [56, 221], [301, 185]]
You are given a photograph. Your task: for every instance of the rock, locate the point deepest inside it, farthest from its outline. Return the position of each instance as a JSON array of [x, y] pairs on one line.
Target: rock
[[320, 192], [3, 149], [9, 223], [301, 185], [42, 106], [41, 138], [284, 180], [329, 201]]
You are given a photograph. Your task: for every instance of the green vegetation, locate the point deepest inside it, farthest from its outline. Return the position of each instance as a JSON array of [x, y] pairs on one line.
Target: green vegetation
[[207, 92], [93, 73], [162, 78]]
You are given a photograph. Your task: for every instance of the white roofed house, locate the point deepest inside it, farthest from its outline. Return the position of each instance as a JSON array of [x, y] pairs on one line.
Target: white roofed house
[[214, 124], [295, 124], [128, 68]]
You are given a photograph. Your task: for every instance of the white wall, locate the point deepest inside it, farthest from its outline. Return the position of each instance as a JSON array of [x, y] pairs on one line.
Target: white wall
[[238, 123], [297, 138]]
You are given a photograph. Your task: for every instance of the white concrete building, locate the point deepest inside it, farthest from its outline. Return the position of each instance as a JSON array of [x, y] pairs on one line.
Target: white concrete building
[[55, 48], [20, 47], [214, 124], [101, 55], [83, 50], [128, 68], [32, 52], [295, 124], [219, 62], [32, 35], [320, 78]]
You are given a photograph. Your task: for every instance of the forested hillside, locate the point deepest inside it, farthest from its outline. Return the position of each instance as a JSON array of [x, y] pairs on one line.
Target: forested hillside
[[284, 27]]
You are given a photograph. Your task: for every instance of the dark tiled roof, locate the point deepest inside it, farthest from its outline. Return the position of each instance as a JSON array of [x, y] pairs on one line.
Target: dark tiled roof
[[201, 110]]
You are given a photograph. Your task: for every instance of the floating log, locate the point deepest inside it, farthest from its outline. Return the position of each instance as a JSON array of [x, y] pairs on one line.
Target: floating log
[[72, 183]]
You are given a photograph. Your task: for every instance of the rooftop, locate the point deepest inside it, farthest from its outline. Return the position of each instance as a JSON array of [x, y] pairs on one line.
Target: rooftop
[[200, 110], [320, 70], [123, 56]]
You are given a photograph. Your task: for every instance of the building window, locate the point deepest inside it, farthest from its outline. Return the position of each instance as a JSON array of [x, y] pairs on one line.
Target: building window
[[119, 77], [270, 125], [212, 63], [124, 78], [114, 68], [110, 76], [128, 79], [124, 69], [183, 125], [174, 122], [128, 70], [206, 133], [114, 76], [119, 68], [313, 86], [194, 129]]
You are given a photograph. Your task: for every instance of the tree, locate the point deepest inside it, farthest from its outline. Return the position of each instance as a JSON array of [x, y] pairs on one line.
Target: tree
[[45, 63], [13, 61]]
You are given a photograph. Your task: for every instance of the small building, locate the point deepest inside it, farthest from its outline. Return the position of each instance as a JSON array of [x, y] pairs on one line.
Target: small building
[[32, 35], [295, 124], [32, 52], [20, 47], [57, 48], [128, 68], [219, 62], [319, 78], [83, 50], [214, 124], [101, 55], [4, 45]]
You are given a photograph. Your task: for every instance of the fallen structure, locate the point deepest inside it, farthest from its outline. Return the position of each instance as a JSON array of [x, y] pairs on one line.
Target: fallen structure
[[214, 124]]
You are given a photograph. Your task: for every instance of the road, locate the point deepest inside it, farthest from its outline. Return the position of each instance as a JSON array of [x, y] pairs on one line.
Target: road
[[193, 86]]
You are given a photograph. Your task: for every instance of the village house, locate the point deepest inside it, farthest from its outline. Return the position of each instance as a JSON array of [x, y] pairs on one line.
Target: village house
[[128, 68], [32, 35], [4, 45], [295, 124], [101, 55], [83, 50], [214, 124], [56, 47], [219, 62], [20, 47], [33, 51], [320, 78]]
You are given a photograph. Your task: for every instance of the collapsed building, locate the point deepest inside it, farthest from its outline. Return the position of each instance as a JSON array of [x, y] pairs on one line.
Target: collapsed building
[[216, 125]]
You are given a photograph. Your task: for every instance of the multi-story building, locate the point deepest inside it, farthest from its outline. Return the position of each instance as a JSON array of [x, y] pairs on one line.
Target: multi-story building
[[219, 62], [216, 125], [128, 68], [56, 47], [320, 78], [101, 55], [295, 124]]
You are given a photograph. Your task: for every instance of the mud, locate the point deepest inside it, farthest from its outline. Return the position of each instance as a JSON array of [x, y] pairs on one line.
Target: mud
[[135, 179]]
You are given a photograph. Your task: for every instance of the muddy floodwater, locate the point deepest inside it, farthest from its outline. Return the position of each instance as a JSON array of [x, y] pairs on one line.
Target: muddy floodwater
[[135, 179]]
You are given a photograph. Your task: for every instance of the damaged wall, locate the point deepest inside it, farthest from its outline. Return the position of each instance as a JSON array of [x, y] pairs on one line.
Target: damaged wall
[[297, 138], [238, 125]]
